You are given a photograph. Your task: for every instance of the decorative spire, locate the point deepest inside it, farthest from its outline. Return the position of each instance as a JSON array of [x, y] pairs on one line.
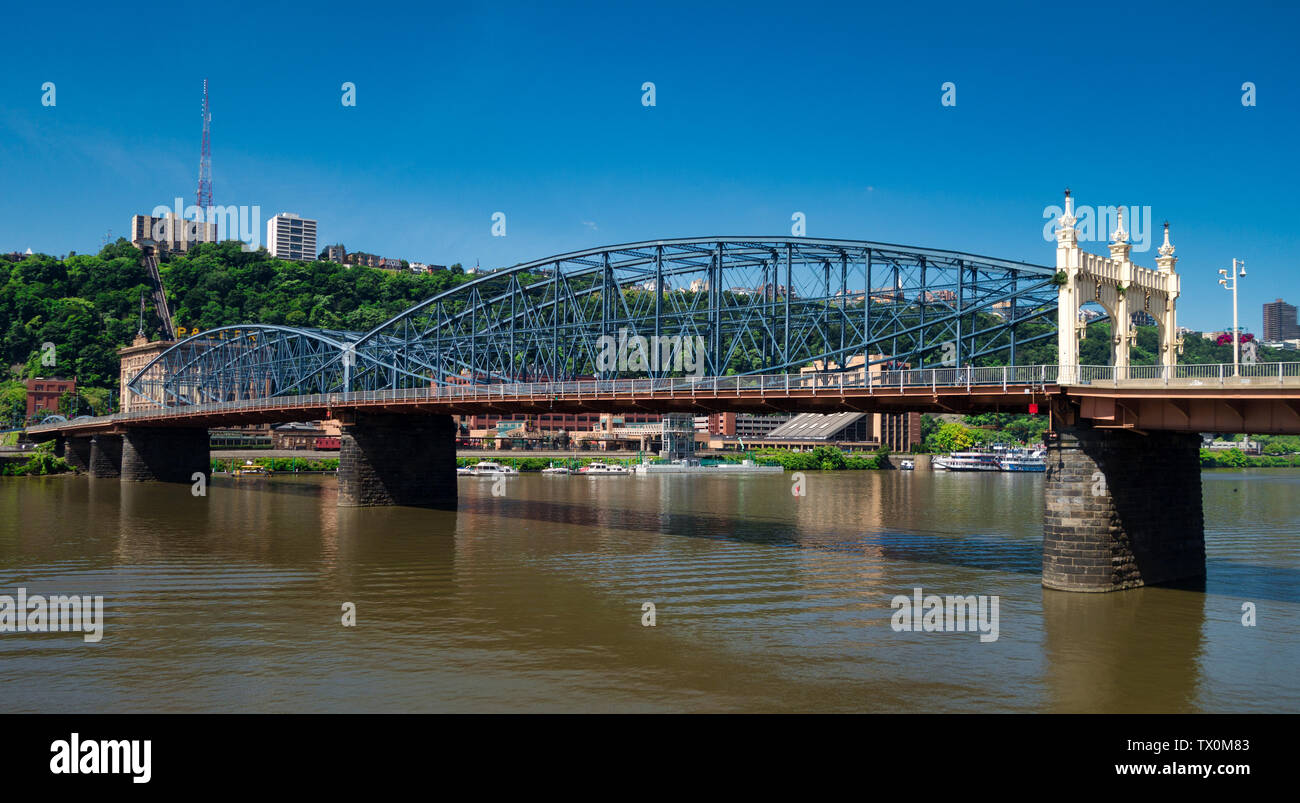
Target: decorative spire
[[1067, 218], [1066, 236], [1166, 260], [1120, 235], [1166, 249]]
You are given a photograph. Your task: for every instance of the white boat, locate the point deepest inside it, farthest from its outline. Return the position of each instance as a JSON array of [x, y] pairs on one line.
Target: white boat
[[1023, 460], [968, 461], [486, 468], [907, 465], [602, 468], [554, 470], [694, 467], [464, 471]]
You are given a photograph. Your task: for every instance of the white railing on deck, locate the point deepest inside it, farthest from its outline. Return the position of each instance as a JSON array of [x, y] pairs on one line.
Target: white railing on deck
[[806, 384]]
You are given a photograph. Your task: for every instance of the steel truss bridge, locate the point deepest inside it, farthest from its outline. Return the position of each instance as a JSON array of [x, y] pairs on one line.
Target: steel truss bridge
[[706, 306]]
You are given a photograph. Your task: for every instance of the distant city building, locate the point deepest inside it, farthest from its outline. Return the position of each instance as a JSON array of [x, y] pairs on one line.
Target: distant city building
[[1280, 321], [741, 425], [43, 394], [768, 291], [362, 258], [296, 435], [159, 236], [1142, 318], [339, 254], [290, 236], [244, 436], [897, 431]]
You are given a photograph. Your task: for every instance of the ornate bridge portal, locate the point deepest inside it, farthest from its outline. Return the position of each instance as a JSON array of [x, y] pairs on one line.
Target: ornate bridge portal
[[1120, 287]]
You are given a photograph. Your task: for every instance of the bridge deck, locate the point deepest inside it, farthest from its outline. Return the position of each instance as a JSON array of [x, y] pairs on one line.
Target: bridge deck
[[1262, 398]]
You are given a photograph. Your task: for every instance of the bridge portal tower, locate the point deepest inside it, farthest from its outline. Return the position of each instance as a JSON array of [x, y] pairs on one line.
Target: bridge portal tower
[[1120, 287]]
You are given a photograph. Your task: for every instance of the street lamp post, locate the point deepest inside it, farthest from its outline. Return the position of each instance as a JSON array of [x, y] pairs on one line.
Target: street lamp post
[[1230, 282]]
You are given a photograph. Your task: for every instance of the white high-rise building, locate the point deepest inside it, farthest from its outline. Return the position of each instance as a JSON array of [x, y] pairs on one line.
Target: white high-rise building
[[290, 236]]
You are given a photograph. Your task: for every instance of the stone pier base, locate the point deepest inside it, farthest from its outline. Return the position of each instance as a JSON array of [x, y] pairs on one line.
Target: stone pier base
[[75, 450], [398, 460], [164, 454], [1122, 510], [106, 456]]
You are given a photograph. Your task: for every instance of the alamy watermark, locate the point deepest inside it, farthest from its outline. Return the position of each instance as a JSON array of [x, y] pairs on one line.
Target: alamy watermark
[[242, 223], [951, 614], [58, 613], [77, 756], [1097, 224], [637, 353]]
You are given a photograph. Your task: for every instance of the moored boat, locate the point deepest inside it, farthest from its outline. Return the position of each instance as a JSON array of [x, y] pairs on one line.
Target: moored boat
[[1023, 460], [598, 468], [968, 461], [488, 468]]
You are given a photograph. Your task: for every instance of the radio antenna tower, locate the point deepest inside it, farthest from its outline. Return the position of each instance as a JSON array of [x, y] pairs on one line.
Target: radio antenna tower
[[205, 158]]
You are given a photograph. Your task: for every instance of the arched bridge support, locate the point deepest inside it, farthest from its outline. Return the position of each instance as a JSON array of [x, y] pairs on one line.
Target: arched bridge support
[[1122, 509], [165, 454], [405, 460]]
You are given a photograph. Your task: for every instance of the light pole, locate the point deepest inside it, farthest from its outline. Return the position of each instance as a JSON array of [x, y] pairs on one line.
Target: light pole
[[1230, 282]]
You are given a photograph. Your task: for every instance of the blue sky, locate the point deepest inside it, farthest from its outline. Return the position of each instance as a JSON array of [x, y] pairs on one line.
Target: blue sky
[[761, 111]]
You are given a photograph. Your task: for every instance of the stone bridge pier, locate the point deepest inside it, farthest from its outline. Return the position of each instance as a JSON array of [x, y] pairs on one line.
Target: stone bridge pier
[[1122, 509], [75, 450], [106, 456], [165, 454], [387, 459]]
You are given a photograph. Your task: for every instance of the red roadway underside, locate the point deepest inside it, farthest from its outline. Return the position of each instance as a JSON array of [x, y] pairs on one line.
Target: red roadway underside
[[1216, 409]]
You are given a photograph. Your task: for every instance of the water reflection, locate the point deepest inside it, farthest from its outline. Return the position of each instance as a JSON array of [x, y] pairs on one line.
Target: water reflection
[[1131, 652], [533, 601]]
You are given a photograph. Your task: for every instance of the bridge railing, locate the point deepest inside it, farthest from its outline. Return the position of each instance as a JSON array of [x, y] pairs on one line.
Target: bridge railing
[[1224, 374], [809, 383]]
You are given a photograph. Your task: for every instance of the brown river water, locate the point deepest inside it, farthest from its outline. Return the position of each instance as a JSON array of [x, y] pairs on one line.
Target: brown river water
[[533, 600]]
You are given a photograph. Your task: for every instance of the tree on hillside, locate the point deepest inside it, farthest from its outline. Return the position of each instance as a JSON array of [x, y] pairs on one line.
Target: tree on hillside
[[951, 437]]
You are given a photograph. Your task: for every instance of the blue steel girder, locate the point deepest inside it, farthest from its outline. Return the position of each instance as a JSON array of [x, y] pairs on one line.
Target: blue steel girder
[[544, 318], [248, 361], [758, 305]]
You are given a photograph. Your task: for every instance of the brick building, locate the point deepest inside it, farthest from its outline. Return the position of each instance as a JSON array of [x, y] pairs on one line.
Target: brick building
[[43, 394]]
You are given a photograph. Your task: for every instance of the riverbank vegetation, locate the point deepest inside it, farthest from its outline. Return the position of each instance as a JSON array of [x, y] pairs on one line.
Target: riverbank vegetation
[[42, 461], [86, 306], [1236, 458], [941, 436], [280, 464]]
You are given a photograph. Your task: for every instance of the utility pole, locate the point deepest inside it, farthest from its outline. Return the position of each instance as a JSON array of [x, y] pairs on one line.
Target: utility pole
[[1230, 282]]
